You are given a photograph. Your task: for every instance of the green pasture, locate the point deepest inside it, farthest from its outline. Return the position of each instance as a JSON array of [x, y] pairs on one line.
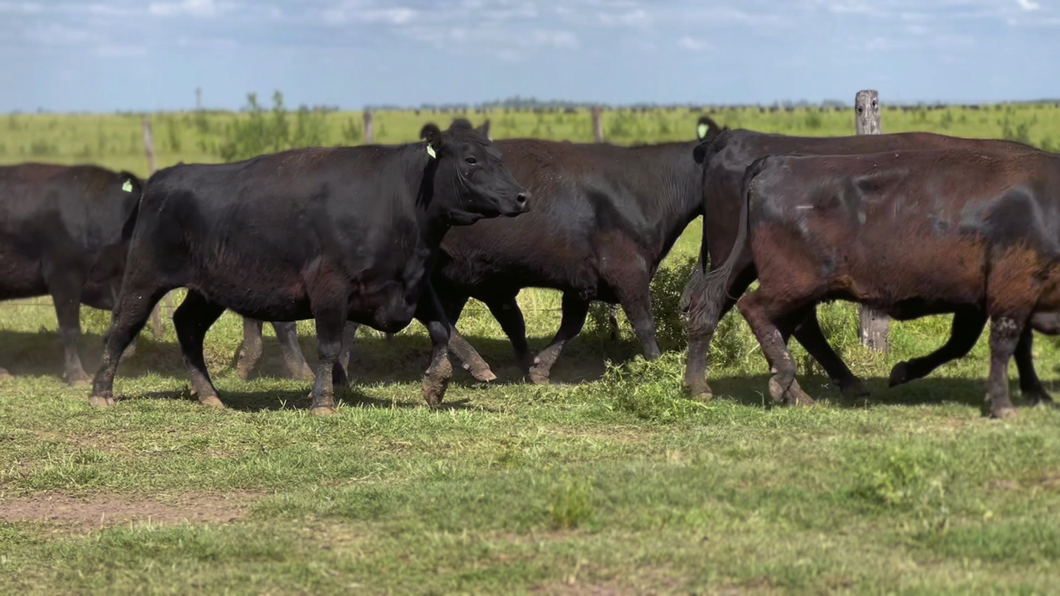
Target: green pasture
[[608, 481]]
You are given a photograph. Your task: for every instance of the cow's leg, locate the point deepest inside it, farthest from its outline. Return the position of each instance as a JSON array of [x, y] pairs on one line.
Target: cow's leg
[[507, 312], [287, 335], [612, 322], [760, 314], [130, 315], [635, 298], [471, 361], [1004, 336], [1030, 385], [701, 332], [810, 335], [250, 350], [67, 301], [192, 319], [429, 311], [965, 330], [330, 323], [574, 312], [349, 335]]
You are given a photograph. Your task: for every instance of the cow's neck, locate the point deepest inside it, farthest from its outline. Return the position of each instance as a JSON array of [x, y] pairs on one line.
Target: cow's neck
[[669, 190]]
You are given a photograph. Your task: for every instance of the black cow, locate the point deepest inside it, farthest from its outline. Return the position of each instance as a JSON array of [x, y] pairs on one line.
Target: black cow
[[604, 217], [907, 233], [334, 234], [725, 160], [64, 232]]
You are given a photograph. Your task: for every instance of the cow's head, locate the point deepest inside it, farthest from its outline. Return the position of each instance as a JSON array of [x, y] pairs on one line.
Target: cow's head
[[469, 172]]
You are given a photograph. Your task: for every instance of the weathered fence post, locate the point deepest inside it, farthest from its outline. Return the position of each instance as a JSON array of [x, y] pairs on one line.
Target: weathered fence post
[[598, 129], [369, 135], [875, 325], [167, 302]]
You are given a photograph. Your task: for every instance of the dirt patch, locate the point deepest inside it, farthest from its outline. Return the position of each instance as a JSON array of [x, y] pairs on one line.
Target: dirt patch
[[99, 511]]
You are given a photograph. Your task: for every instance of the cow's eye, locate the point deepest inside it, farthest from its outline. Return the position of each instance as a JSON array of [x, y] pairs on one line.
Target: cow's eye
[[471, 161]]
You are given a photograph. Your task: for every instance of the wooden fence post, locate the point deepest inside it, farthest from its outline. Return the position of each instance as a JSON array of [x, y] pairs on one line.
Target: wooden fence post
[[369, 134], [874, 326], [167, 302], [598, 129]]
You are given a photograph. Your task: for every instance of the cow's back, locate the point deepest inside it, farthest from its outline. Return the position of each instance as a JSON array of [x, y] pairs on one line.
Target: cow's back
[[257, 234], [59, 218], [587, 198]]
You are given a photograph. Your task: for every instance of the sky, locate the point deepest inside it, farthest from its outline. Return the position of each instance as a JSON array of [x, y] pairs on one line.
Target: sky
[[107, 55]]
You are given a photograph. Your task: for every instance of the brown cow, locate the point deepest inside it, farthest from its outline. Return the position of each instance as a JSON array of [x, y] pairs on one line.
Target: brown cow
[[907, 233], [726, 158]]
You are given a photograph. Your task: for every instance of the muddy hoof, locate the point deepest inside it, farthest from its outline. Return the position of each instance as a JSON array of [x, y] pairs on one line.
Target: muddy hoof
[[854, 389], [484, 376], [305, 374], [538, 377], [100, 402], [899, 375], [211, 401], [77, 379], [1003, 412], [793, 395], [323, 411]]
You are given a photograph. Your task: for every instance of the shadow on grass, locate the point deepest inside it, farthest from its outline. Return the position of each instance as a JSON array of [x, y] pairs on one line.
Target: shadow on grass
[[754, 391], [373, 359], [258, 401]]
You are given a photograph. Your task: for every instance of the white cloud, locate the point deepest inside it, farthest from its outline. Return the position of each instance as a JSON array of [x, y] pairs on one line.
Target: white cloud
[[633, 18], [109, 50], [1028, 4], [692, 44], [197, 8], [359, 11]]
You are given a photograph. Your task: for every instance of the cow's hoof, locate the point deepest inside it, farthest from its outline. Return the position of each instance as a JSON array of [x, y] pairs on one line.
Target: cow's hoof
[[538, 377], [1003, 412], [79, 379], [1038, 397], [484, 376], [211, 401], [854, 389], [899, 375], [100, 402], [699, 390], [4, 375], [793, 395], [323, 411]]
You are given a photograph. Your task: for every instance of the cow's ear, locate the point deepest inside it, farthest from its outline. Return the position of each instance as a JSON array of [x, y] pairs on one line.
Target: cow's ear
[[433, 135], [706, 127], [484, 130]]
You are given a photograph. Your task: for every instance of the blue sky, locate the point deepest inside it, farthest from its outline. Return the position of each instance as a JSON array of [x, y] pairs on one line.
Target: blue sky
[[105, 55]]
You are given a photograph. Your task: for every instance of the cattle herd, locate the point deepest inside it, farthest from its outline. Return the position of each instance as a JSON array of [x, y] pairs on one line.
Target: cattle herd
[[910, 224]]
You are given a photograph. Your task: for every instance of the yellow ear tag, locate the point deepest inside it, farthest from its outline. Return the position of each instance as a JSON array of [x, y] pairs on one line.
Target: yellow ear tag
[[127, 187], [702, 130], [430, 151]]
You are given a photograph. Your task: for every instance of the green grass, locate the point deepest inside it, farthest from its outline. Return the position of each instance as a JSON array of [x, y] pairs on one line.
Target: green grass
[[607, 481]]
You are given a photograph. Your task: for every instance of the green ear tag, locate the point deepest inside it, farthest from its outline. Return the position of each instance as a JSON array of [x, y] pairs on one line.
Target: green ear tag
[[127, 187], [702, 130], [430, 151]]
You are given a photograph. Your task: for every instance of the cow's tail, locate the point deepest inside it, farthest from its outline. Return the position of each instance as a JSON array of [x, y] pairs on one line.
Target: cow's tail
[[716, 283]]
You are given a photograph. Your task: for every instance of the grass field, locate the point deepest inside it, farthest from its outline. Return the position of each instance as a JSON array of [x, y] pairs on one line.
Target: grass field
[[608, 481]]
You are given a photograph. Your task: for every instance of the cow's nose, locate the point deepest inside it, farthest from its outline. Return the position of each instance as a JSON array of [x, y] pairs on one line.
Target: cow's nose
[[523, 198]]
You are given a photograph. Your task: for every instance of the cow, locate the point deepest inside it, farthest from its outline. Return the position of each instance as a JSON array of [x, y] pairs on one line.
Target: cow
[[908, 233], [333, 234], [64, 231], [725, 159], [605, 216]]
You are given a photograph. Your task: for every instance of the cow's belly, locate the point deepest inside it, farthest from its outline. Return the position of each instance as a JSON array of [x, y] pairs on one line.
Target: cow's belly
[[388, 307], [20, 277]]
